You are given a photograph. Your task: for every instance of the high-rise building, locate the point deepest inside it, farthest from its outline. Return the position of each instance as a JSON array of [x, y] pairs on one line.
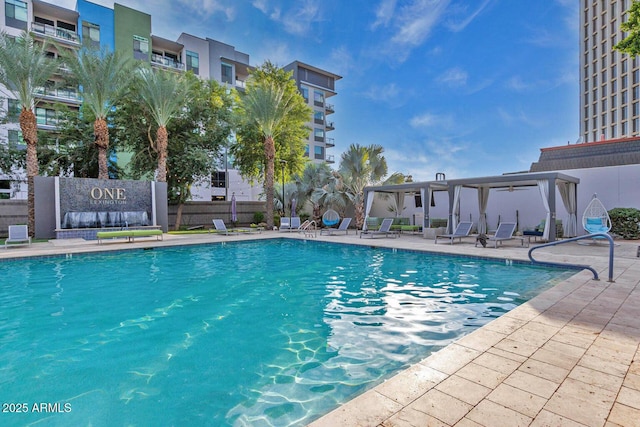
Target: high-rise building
[[129, 31], [609, 79]]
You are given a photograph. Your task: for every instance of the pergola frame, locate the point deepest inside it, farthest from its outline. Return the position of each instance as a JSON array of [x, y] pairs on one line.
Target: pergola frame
[[545, 181]]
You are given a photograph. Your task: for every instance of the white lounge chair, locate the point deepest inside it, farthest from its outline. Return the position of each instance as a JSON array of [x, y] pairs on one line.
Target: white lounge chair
[[221, 228], [290, 224], [18, 234], [344, 227], [504, 232], [384, 230], [462, 230]]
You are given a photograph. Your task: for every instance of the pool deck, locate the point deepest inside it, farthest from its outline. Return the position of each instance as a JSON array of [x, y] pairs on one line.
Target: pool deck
[[569, 357]]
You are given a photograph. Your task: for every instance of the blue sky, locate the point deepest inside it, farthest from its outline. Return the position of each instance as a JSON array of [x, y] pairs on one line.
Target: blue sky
[[468, 88]]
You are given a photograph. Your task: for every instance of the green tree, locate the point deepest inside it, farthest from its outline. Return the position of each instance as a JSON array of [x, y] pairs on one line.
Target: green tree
[[360, 167], [198, 134], [271, 110], [315, 176], [631, 43], [164, 94], [102, 75], [24, 70]]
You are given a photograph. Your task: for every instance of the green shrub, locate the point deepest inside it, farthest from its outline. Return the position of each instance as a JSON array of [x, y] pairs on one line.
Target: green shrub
[[624, 222], [258, 217]]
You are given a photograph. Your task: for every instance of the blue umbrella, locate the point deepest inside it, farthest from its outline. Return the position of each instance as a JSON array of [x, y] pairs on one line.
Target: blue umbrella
[[234, 213]]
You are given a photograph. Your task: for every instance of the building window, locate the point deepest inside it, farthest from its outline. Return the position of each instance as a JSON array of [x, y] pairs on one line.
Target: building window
[[305, 93], [604, 104], [219, 179], [624, 82], [15, 137], [16, 14], [306, 150], [318, 152], [318, 98], [614, 71], [46, 116], [614, 86], [13, 110], [193, 62], [604, 119], [226, 73], [635, 109], [614, 132], [318, 117], [141, 48], [318, 135], [624, 112], [90, 34], [624, 128], [624, 66]]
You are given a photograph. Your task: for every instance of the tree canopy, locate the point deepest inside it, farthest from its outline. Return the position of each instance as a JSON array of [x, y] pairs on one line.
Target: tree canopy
[[631, 43]]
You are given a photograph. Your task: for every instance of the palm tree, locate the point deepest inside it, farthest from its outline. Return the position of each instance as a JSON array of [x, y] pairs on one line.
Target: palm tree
[[314, 176], [164, 93], [360, 167], [268, 104], [24, 69], [102, 75]]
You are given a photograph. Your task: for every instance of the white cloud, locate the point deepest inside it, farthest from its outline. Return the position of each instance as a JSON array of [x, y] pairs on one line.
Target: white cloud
[[388, 94], [210, 7], [427, 120], [515, 117], [384, 13], [416, 20], [462, 24], [297, 20], [454, 77]]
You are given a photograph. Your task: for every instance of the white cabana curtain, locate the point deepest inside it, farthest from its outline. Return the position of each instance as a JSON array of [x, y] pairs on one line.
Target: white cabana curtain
[[368, 202], [483, 200], [399, 199], [456, 207], [568, 194], [543, 186]]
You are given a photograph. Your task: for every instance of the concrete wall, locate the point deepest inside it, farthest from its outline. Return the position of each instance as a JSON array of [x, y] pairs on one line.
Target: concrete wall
[[12, 212], [201, 213]]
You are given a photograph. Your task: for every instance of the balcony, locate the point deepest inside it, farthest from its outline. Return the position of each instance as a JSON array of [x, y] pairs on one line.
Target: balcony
[[330, 159], [67, 95], [329, 108], [329, 126], [166, 62], [329, 142], [56, 33]]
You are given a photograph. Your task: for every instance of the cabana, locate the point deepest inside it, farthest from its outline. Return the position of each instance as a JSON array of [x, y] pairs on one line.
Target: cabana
[[398, 192], [544, 181]]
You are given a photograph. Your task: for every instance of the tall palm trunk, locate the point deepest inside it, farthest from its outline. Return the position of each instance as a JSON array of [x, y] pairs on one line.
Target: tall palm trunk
[[161, 144], [270, 156], [29, 128], [101, 132]]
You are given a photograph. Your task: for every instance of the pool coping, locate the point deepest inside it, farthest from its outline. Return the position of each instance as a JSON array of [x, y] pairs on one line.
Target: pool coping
[[570, 356]]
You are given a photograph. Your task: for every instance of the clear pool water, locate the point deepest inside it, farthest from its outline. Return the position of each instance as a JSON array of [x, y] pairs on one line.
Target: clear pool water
[[253, 333]]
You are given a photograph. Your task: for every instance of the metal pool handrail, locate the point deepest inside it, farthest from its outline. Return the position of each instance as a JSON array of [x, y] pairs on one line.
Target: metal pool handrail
[[573, 239]]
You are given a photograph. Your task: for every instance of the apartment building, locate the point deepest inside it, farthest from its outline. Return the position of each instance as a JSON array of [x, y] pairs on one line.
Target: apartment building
[[609, 80], [129, 31]]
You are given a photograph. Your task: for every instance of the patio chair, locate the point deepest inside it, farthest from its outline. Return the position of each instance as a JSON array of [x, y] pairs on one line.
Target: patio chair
[[330, 218], [596, 218], [504, 232], [221, 228], [18, 234], [290, 224], [462, 230], [384, 230], [344, 227]]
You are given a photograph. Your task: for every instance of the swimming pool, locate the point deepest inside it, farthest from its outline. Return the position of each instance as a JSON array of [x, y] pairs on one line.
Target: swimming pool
[[258, 333]]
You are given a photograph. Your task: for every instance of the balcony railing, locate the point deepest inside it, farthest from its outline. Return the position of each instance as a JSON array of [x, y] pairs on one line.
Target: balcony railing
[[66, 94], [55, 32], [329, 142], [241, 84], [330, 158], [166, 62], [329, 126], [329, 108]]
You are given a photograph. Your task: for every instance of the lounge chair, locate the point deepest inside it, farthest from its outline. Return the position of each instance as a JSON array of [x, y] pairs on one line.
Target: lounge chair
[[462, 230], [384, 230], [290, 224], [504, 232], [18, 234], [344, 227], [221, 228]]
